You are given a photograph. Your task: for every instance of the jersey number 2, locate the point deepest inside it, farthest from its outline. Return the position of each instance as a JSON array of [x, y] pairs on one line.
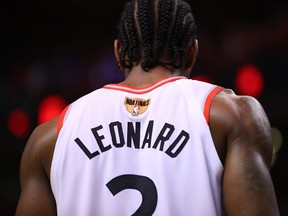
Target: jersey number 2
[[143, 184]]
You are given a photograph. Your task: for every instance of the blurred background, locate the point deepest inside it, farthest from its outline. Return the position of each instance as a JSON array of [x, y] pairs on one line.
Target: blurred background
[[53, 52]]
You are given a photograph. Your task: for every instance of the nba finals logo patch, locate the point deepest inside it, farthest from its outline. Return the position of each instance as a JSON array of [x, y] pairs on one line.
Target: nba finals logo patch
[[136, 106]]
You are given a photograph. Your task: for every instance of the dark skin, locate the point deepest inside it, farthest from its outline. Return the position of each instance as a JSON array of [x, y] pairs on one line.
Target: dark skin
[[240, 130]]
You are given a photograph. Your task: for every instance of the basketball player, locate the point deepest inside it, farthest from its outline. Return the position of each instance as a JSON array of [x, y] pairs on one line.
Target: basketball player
[[158, 143]]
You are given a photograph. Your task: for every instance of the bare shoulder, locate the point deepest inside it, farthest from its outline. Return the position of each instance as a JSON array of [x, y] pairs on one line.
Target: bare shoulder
[[242, 135], [239, 106], [36, 196], [42, 142], [240, 120]]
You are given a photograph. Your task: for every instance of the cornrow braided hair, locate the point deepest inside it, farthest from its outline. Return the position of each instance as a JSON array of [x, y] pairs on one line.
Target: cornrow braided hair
[[133, 53], [150, 28]]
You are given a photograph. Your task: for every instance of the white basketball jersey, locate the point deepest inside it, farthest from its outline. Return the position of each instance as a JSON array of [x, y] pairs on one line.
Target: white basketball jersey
[[149, 151]]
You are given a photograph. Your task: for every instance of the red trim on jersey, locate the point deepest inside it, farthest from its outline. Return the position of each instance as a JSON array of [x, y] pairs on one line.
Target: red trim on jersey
[[208, 102], [61, 119], [129, 89]]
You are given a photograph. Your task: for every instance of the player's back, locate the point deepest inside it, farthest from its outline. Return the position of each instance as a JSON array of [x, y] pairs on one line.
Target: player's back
[[149, 151]]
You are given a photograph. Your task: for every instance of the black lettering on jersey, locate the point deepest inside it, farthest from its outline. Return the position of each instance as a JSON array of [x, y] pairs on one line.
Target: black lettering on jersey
[[85, 150], [130, 101], [148, 135], [142, 103], [116, 129], [99, 139], [163, 141], [133, 134], [174, 150], [164, 135]]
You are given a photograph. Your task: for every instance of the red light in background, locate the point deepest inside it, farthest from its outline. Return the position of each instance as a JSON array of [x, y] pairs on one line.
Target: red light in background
[[249, 81], [50, 107], [18, 123]]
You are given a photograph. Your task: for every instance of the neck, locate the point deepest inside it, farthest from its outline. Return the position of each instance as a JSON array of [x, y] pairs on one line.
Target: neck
[[138, 78]]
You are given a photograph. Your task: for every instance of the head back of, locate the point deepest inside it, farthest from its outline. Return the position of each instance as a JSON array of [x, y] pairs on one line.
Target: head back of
[[156, 33]]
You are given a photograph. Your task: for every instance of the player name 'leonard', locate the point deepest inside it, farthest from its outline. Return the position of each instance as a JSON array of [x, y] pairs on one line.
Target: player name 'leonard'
[[134, 140]]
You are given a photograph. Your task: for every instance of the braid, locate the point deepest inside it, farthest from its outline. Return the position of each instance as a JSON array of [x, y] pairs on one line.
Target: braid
[[164, 17], [188, 33], [145, 23], [181, 12], [150, 28], [133, 52], [122, 35]]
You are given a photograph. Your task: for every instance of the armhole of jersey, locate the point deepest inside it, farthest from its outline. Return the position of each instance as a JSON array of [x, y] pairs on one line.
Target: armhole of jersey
[[61, 119], [208, 102]]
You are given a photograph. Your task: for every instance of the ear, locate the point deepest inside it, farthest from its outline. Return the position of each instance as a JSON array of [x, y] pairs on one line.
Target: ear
[[191, 54], [117, 48]]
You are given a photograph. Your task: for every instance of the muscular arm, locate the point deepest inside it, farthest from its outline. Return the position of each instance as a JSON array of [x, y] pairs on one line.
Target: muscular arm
[[36, 196], [242, 134]]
